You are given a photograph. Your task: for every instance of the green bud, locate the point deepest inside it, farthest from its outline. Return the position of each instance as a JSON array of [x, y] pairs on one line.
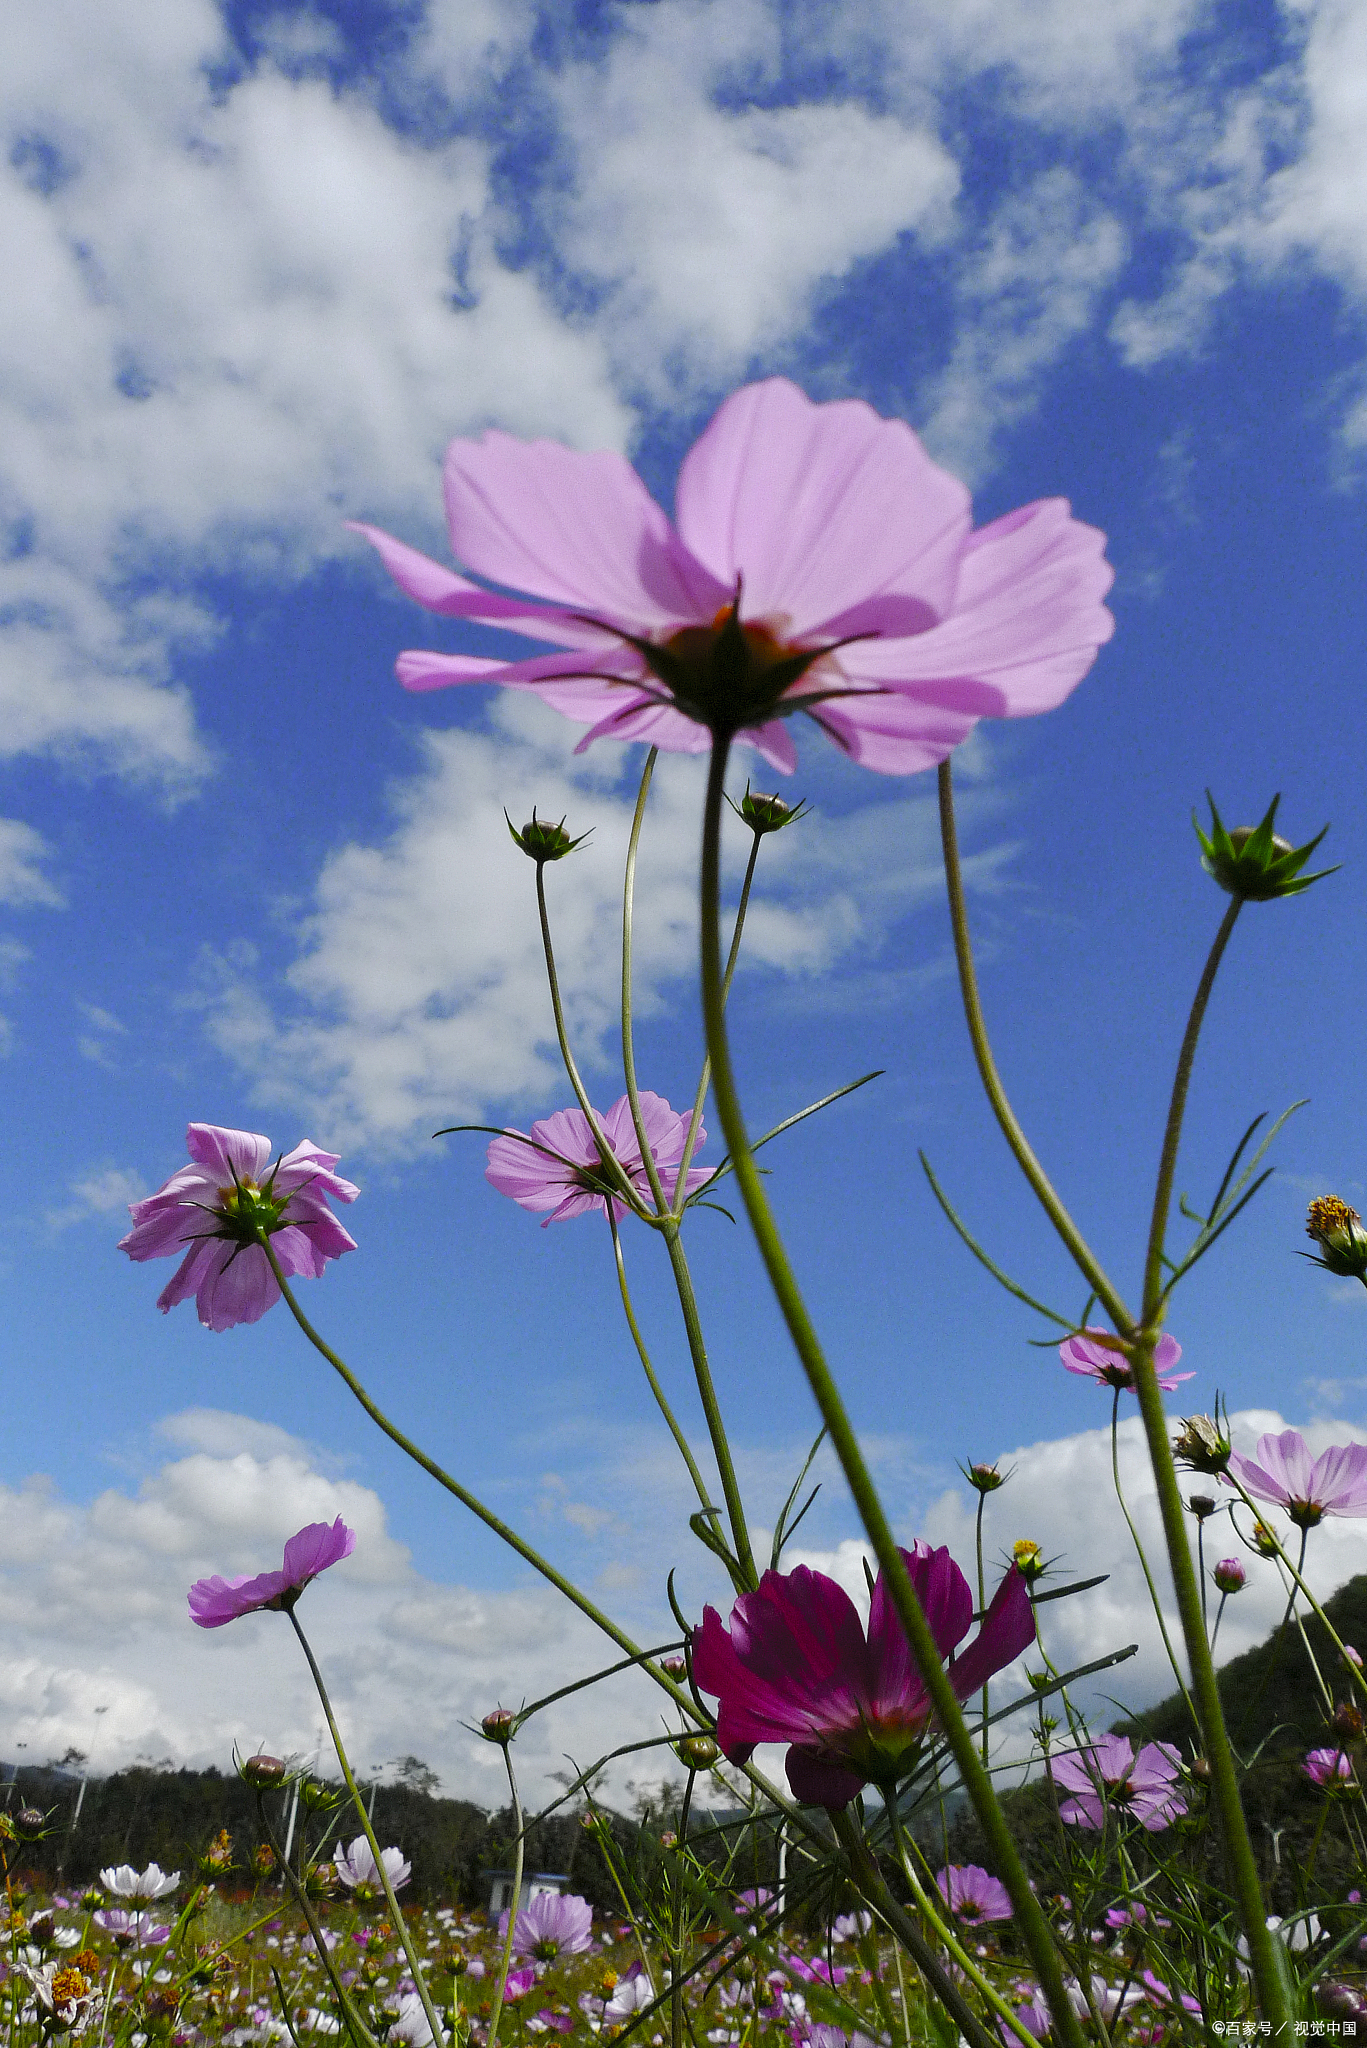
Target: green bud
[[499, 1727], [541, 841], [316, 1796], [766, 813], [984, 1478], [1252, 862], [1338, 1232], [698, 1752], [265, 1771]]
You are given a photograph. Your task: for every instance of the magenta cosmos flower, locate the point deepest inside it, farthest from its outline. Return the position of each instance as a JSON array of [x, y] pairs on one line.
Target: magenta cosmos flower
[[972, 1894], [1093, 1355], [212, 1209], [1329, 1767], [1308, 1488], [557, 1165], [796, 1666], [818, 561], [216, 1601], [1109, 1773]]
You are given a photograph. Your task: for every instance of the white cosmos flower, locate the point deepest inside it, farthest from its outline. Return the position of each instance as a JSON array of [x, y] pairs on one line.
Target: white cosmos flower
[[127, 1883]]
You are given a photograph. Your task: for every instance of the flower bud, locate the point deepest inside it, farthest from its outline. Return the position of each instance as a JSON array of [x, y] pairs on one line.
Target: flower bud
[[1202, 1445], [316, 1796], [1028, 1559], [1251, 862], [674, 1667], [1229, 1575], [1348, 1721], [1338, 1232], [698, 1752], [500, 1727], [1202, 1506], [265, 1771], [1199, 1767], [1352, 1656], [983, 1478], [766, 813], [1265, 1541], [29, 1821], [263, 1860], [320, 1880], [541, 841], [668, 1839]]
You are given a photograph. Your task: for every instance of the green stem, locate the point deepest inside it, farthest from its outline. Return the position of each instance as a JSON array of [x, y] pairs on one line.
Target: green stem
[[396, 1912], [471, 1501], [628, 1039], [1219, 1617], [707, 1394], [705, 1078], [1144, 1562], [1030, 1918], [1082, 1253], [355, 2025], [514, 1903], [925, 1905], [612, 1165], [982, 1609]]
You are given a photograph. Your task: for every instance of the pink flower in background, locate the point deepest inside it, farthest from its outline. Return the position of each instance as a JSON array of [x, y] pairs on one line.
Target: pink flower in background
[[518, 1984], [795, 1666], [357, 1869], [1093, 1356], [216, 1601], [1335, 1483], [819, 561], [972, 1894], [1110, 1774], [549, 1925], [1328, 1767], [212, 1209], [557, 1166]]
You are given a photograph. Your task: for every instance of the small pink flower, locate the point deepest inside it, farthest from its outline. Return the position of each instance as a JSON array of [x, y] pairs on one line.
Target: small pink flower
[[1229, 1575], [1094, 1355], [1335, 1483], [973, 1895], [216, 1601], [212, 1209], [796, 1666], [819, 561], [557, 1165], [1110, 1774], [1328, 1767]]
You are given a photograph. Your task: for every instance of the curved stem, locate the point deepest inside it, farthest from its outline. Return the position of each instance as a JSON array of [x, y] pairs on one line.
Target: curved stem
[[707, 1394], [612, 1165], [628, 1039], [1083, 1256], [1030, 1918], [1144, 1562], [704, 1079], [400, 1924], [469, 1500], [514, 1904]]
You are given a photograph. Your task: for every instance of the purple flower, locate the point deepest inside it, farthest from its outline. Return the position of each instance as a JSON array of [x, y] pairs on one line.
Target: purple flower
[[518, 1984], [557, 1164], [795, 1666], [973, 1895], [1160, 1994], [1335, 1483], [1095, 1355], [1229, 1574], [216, 1601], [819, 562], [1328, 1767], [127, 1930], [1109, 1773], [551, 1924], [213, 1209]]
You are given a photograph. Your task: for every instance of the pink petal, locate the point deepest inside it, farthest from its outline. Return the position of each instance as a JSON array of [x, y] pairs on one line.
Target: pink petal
[[560, 678], [892, 735], [236, 1290], [224, 1152], [439, 589], [818, 1780], [817, 507], [1007, 1632], [189, 1274], [307, 1166], [575, 527], [316, 1547]]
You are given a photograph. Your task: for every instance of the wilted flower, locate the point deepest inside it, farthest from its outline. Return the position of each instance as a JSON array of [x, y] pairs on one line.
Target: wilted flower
[[1338, 1232], [795, 1666], [973, 1894], [357, 1870], [558, 1166], [213, 1602], [551, 1924], [1097, 1355], [65, 1995], [820, 562], [1202, 1445], [1108, 1773], [1328, 1767], [1229, 1575], [1335, 1483], [1265, 1540], [149, 1884], [215, 1209]]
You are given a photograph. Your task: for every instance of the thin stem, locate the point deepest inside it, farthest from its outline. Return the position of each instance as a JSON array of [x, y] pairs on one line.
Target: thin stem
[[707, 1394], [396, 1912], [982, 1609], [1143, 1559], [471, 1501], [1201, 1574], [1219, 1617], [1030, 1918], [355, 2025], [922, 1900], [705, 1078], [1083, 1255], [612, 1165], [628, 1039], [514, 1904]]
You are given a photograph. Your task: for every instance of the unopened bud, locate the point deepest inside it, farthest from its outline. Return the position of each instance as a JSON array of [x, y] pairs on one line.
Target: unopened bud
[[1265, 1541], [983, 1478], [1229, 1575], [1348, 1721], [1252, 862], [1028, 1559], [1199, 1768], [1338, 1232], [1351, 1656], [541, 841], [1202, 1506], [766, 813], [265, 1771], [699, 1752], [316, 1795], [500, 1727], [668, 1839], [263, 1859], [29, 1821]]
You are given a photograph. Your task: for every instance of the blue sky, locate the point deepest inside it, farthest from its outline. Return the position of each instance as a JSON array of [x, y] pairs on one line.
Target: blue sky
[[268, 261]]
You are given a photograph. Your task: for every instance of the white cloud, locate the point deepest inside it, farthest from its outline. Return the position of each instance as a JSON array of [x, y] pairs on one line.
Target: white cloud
[[104, 1191], [22, 880]]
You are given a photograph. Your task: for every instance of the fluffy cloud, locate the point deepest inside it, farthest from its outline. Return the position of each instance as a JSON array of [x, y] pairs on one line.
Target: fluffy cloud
[[23, 883]]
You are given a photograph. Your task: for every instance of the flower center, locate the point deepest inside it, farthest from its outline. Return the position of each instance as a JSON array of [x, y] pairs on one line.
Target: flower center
[[1306, 1514], [245, 1208], [733, 674]]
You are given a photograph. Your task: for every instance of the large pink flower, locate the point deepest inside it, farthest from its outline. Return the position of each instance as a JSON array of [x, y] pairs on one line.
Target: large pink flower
[[796, 1666], [214, 1602], [818, 561], [211, 1209], [557, 1165], [1308, 1488]]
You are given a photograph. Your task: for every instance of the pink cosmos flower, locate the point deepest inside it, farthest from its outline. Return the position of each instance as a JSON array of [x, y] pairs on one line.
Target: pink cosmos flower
[[357, 1870], [216, 1601], [1109, 1773], [796, 1666], [1335, 1483], [1328, 1767], [819, 561], [973, 1895], [1093, 1356], [518, 1984], [549, 1925], [557, 1165], [211, 1210]]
